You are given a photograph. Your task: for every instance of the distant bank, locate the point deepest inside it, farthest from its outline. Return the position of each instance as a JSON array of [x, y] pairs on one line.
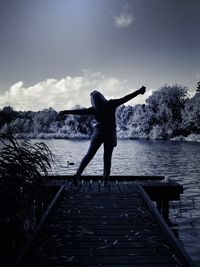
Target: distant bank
[[78, 136]]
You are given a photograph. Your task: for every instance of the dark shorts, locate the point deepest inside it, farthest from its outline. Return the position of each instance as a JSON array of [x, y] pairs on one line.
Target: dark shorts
[[104, 137]]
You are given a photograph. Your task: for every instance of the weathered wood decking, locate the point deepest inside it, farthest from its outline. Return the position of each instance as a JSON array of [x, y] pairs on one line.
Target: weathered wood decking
[[159, 190], [110, 226]]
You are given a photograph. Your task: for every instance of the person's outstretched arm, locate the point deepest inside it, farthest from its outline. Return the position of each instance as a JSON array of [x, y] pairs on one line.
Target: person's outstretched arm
[[128, 97], [82, 111]]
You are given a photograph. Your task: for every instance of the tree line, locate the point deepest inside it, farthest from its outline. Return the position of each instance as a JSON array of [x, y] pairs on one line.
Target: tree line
[[169, 112]]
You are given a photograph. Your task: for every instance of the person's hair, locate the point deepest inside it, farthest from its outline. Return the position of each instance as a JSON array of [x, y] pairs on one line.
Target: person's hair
[[98, 101]]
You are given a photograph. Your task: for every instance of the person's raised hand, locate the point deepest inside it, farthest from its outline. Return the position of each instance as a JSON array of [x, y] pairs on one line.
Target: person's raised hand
[[142, 90]]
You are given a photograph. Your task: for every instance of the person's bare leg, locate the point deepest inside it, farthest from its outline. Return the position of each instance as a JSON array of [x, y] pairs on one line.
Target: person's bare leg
[[108, 150], [95, 144]]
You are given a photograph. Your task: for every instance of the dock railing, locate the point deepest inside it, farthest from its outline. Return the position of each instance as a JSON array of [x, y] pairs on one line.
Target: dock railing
[[183, 256]]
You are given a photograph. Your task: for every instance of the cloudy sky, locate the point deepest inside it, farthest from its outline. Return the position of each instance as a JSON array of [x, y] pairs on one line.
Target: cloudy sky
[[54, 52]]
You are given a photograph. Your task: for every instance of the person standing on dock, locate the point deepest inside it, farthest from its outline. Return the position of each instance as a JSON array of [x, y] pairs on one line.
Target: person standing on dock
[[104, 131]]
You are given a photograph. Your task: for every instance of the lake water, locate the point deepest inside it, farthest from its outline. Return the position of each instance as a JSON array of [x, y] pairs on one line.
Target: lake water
[[179, 161]]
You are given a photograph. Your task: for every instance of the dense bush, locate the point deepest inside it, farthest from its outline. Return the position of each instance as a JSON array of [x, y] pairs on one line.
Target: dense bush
[[23, 193]]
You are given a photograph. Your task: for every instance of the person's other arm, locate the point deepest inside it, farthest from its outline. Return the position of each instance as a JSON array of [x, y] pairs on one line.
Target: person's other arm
[[82, 111], [128, 97]]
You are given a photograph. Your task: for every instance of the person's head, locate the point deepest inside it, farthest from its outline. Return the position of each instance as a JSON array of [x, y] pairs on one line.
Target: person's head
[[98, 101]]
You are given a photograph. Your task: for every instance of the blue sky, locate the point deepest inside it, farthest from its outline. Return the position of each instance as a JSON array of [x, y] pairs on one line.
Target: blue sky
[[53, 51]]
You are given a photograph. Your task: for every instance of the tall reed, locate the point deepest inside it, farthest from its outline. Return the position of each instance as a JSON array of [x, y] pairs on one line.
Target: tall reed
[[23, 193]]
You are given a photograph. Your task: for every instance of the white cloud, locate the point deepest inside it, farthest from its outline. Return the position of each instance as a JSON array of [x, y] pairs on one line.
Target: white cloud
[[125, 19], [65, 93]]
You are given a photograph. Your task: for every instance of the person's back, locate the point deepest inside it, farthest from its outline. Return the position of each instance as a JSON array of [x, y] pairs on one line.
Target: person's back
[[106, 120]]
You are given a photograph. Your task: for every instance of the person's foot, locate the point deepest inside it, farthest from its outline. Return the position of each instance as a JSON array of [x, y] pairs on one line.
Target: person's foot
[[75, 181]]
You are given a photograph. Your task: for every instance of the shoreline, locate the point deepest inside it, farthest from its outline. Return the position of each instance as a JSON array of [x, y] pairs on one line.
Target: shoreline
[[48, 136]]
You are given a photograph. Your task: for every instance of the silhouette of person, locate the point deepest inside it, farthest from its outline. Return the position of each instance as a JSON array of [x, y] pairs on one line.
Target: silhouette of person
[[104, 131]]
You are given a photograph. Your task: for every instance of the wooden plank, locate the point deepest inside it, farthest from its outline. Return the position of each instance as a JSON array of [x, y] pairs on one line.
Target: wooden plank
[[131, 186], [117, 231], [120, 260], [108, 251], [104, 224], [104, 189], [121, 244], [113, 187], [111, 178], [123, 187], [95, 186], [68, 185], [156, 190], [111, 221], [127, 185], [85, 186]]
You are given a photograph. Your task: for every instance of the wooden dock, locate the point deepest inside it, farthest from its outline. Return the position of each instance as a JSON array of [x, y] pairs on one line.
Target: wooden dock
[[116, 225], [159, 190]]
